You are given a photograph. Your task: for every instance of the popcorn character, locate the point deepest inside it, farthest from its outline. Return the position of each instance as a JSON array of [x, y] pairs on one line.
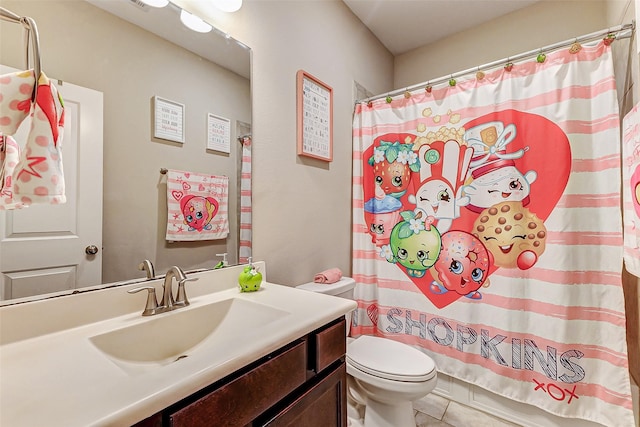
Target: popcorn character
[[444, 166], [514, 235], [495, 177], [198, 211], [414, 243], [462, 266]]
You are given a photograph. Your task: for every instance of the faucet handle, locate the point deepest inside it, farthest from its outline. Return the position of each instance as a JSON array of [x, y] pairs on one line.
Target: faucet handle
[[152, 302], [181, 297]]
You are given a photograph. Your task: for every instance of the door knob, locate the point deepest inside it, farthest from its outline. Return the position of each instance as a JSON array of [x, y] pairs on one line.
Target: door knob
[[91, 250]]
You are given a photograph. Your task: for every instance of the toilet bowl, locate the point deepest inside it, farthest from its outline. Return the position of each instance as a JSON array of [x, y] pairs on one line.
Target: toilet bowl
[[384, 376]]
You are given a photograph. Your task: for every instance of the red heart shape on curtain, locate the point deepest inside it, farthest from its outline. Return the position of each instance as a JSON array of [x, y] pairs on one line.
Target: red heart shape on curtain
[[506, 187]]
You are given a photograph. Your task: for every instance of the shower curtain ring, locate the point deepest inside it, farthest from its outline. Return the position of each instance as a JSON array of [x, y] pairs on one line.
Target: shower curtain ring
[[509, 65], [575, 47]]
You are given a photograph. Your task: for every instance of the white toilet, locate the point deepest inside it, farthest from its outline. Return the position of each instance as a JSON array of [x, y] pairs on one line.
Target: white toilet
[[385, 376]]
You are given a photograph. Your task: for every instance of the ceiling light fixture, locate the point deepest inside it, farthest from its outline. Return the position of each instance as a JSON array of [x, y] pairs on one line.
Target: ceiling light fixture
[[194, 23], [155, 3], [228, 5]]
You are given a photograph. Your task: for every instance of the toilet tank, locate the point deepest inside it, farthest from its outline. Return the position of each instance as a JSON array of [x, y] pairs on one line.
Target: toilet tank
[[343, 288]]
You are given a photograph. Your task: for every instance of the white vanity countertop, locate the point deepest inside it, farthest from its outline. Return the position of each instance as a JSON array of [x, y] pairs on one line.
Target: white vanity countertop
[[59, 377]]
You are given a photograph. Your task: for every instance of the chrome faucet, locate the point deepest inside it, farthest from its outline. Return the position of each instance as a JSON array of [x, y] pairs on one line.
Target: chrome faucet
[[167, 294], [168, 303], [147, 266]]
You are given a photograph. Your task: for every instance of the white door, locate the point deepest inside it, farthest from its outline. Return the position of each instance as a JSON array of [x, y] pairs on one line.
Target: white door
[[44, 248]]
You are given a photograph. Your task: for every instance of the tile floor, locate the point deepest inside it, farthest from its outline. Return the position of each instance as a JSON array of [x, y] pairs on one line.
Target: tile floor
[[436, 411]]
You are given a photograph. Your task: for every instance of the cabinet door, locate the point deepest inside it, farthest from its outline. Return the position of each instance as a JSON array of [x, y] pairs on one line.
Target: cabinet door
[[323, 405], [329, 345], [243, 399]]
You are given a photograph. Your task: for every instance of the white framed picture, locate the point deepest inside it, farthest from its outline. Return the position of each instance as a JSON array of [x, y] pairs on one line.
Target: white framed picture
[[168, 120], [218, 133]]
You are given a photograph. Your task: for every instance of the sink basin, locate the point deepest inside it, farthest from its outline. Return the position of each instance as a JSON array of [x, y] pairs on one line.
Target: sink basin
[[166, 338]]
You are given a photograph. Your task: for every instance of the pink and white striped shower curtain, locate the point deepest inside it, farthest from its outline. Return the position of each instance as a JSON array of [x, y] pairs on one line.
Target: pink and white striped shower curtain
[[244, 253], [487, 231]]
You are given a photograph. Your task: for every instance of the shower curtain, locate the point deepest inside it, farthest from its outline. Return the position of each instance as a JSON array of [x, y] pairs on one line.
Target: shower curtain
[[487, 231]]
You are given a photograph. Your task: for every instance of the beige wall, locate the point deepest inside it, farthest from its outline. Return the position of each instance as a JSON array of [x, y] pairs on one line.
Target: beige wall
[[302, 207], [539, 25], [85, 46], [302, 223]]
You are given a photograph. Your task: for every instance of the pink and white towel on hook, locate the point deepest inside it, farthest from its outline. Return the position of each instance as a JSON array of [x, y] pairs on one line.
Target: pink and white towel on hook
[[31, 169], [197, 206]]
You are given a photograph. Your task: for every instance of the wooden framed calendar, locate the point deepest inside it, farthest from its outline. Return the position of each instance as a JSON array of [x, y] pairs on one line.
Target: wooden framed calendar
[[314, 117]]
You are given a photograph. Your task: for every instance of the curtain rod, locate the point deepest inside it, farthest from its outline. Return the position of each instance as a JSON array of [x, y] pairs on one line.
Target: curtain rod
[[7, 15], [585, 38]]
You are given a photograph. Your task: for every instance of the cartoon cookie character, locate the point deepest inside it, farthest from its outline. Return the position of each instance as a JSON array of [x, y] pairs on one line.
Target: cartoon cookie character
[[494, 175], [393, 162], [513, 234], [414, 244], [462, 266], [198, 211]]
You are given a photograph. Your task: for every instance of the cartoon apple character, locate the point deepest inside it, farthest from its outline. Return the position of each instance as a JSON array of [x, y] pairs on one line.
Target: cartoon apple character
[[393, 162], [250, 279], [414, 244]]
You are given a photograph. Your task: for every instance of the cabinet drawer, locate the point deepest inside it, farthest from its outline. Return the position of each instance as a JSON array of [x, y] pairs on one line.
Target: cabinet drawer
[[330, 344], [243, 399]]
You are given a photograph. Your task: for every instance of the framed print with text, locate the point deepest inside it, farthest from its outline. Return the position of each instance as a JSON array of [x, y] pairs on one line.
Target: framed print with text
[[168, 120], [314, 117]]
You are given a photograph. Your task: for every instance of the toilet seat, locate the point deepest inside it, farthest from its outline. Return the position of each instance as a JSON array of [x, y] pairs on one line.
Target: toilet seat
[[388, 359]]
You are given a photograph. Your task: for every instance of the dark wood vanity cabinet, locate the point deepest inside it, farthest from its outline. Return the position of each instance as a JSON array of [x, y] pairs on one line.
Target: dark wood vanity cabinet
[[300, 384]]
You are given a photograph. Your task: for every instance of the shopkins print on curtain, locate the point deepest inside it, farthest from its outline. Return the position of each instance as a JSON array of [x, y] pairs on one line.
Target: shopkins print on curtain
[[196, 206], [631, 189], [487, 231]]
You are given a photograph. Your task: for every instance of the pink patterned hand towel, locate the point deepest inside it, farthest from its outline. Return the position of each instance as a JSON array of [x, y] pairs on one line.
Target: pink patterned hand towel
[[196, 206], [328, 276]]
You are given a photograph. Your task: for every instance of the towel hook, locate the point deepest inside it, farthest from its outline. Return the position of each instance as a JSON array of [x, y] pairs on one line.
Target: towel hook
[[32, 39]]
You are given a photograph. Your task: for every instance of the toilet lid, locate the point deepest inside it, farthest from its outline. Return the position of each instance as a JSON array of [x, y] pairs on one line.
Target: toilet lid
[[390, 359]]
